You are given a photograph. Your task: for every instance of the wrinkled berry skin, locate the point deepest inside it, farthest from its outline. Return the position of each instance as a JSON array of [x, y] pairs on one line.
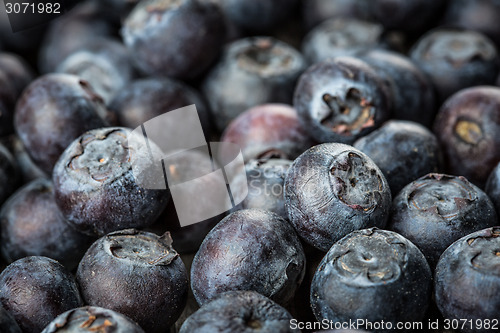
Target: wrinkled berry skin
[[35, 290], [492, 187], [333, 189], [7, 322], [144, 99], [341, 99], [341, 37], [467, 279], [455, 59], [95, 186], [411, 16], [437, 209], [372, 274], [467, 127], [31, 225], [231, 257], [264, 180], [92, 319], [413, 93], [268, 130], [53, 111], [258, 15], [267, 67], [177, 39], [119, 265], [239, 311], [403, 150]]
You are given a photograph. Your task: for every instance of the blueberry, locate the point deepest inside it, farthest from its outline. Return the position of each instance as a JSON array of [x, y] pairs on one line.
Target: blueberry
[[372, 275], [467, 280], [264, 180], [53, 111], [268, 130], [7, 322], [341, 99], [258, 15], [10, 176], [137, 274], [411, 16], [267, 67], [92, 319], [27, 169], [31, 225], [403, 150], [250, 249], [413, 93], [316, 11], [341, 36], [492, 187], [333, 189], [35, 290], [104, 63], [467, 127], [95, 185], [175, 38], [479, 15], [455, 59], [87, 21], [239, 311], [437, 209], [144, 99]]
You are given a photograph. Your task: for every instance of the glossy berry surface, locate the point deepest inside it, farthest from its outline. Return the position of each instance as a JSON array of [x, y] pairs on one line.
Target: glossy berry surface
[[265, 66], [467, 279], [174, 38], [437, 209], [372, 274], [92, 319], [31, 225], [333, 189], [94, 180], [119, 265], [239, 311], [53, 111], [456, 59], [231, 257], [268, 130], [35, 290], [467, 128], [403, 150], [341, 99]]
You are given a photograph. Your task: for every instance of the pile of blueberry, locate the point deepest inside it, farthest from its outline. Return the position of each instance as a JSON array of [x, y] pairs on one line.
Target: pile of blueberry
[[370, 131]]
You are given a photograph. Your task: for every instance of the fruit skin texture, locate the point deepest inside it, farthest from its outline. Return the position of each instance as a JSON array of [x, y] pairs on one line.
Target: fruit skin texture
[[249, 249], [137, 274], [467, 127], [455, 59], [341, 99], [54, 110], [251, 71], [268, 130], [31, 225], [95, 185], [333, 189], [239, 311], [37, 289], [437, 209], [372, 274], [92, 319], [467, 278], [403, 150], [178, 39]]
